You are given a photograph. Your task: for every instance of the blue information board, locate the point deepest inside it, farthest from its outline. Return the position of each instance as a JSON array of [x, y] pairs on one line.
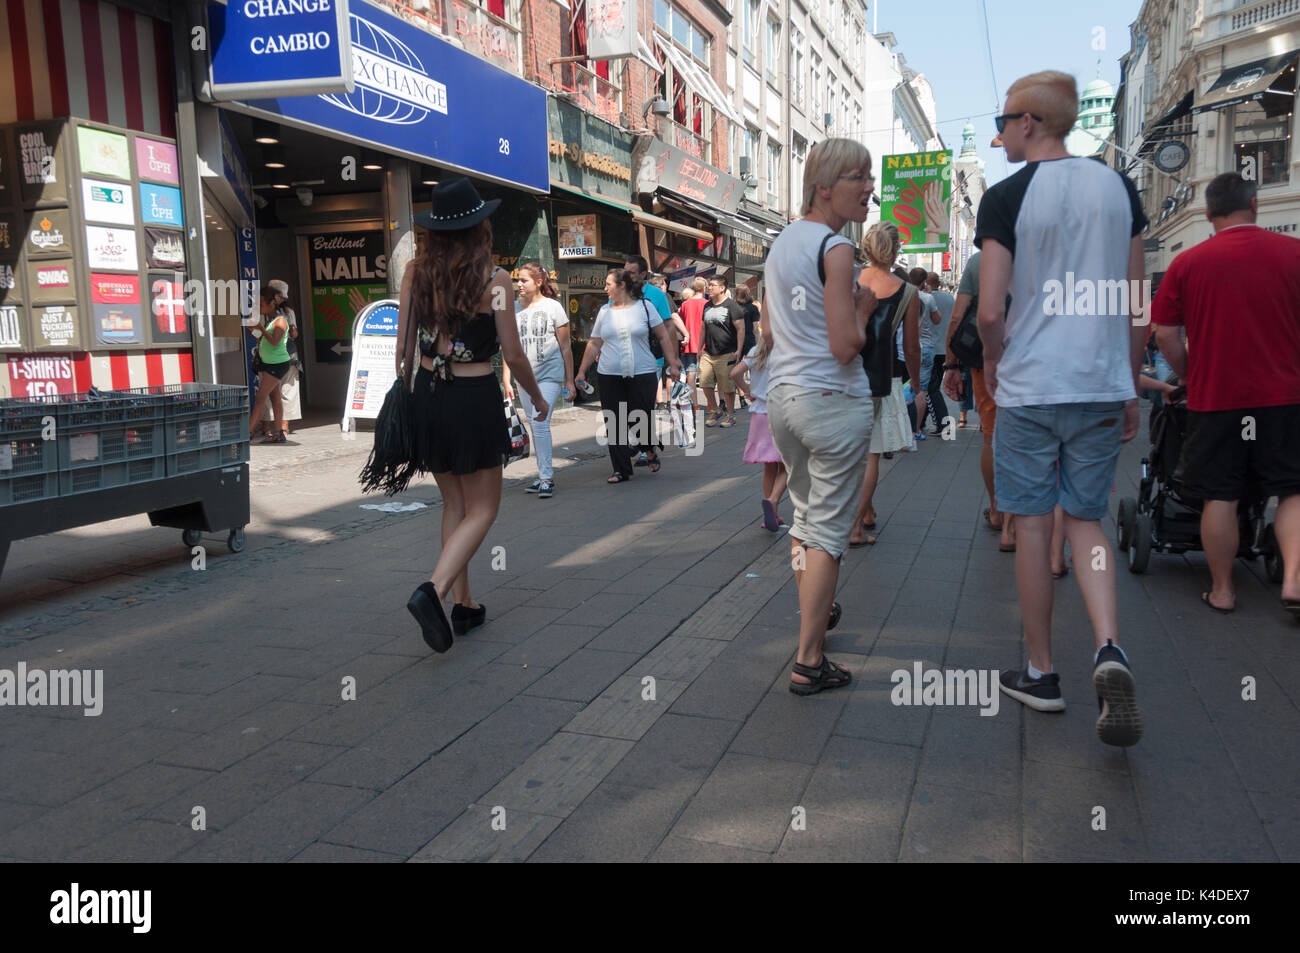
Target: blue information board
[[279, 48], [420, 96]]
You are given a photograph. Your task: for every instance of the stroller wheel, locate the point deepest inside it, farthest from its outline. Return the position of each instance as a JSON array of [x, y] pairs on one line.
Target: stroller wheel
[[1139, 553], [1125, 520], [1272, 556]]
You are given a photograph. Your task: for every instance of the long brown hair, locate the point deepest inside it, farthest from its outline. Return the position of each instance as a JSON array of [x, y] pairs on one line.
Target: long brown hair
[[450, 277], [542, 277]]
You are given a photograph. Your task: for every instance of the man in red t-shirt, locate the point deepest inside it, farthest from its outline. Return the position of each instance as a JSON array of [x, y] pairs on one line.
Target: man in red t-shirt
[[1238, 295], [692, 315]]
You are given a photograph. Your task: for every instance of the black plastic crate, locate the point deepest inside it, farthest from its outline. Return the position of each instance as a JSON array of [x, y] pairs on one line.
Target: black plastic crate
[[29, 464], [98, 457]]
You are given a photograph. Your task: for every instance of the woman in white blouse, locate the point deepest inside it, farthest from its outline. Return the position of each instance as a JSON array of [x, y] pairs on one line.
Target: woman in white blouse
[[626, 370]]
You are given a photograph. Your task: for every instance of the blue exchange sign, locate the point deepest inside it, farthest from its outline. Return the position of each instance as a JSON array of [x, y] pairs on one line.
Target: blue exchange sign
[[381, 320], [279, 48], [418, 95]]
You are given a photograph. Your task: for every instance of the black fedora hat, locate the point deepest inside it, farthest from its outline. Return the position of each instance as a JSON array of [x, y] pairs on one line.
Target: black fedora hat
[[456, 205]]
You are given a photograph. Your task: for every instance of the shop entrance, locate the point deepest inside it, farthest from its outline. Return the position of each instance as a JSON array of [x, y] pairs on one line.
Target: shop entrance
[[221, 238]]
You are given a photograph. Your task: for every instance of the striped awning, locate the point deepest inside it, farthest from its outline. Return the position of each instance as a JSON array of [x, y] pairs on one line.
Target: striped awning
[[89, 59]]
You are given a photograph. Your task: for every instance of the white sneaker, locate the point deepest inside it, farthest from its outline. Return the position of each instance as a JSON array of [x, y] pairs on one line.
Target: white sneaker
[[914, 448]]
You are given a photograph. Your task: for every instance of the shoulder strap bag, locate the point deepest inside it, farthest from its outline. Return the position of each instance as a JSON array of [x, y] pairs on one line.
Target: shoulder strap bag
[[965, 344], [882, 332]]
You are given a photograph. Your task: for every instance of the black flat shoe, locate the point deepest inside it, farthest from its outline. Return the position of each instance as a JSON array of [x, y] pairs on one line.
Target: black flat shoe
[[463, 619], [427, 608]]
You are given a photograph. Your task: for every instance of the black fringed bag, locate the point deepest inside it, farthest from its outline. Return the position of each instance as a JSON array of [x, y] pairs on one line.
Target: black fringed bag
[[392, 462]]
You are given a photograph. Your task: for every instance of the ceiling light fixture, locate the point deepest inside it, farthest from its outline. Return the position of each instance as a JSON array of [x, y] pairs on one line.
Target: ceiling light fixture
[[266, 133]]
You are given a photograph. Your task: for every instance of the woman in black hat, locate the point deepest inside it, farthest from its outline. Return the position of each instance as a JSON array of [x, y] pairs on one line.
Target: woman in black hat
[[464, 311]]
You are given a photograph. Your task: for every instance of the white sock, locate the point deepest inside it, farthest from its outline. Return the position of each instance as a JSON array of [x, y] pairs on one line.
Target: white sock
[[1033, 672]]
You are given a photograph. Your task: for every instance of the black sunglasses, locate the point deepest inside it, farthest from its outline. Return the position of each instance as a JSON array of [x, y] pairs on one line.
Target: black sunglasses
[[1001, 121]]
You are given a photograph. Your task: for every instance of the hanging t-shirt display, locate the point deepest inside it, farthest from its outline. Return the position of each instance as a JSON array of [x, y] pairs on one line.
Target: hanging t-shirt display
[[115, 304]]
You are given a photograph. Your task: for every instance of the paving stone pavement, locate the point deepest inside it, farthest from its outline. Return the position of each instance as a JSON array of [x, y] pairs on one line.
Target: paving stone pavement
[[627, 698]]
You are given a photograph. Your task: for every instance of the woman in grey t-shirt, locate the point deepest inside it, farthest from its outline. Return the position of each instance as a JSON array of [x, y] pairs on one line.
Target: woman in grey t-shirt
[[544, 333]]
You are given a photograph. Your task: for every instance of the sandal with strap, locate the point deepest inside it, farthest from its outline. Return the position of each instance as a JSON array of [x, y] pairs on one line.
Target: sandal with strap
[[826, 675], [619, 478], [655, 463], [834, 618]]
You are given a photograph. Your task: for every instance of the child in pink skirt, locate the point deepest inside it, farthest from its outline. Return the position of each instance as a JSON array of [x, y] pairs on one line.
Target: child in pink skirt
[[759, 448]]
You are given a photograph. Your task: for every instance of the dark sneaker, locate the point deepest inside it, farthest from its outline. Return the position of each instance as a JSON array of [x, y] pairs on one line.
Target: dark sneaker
[[537, 485], [547, 489], [1041, 694], [1120, 723]]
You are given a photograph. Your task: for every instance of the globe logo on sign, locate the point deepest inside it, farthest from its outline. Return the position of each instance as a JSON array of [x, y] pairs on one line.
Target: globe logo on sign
[[391, 83]]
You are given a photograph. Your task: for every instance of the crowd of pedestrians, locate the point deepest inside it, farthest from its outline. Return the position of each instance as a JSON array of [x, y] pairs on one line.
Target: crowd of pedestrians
[[829, 357]]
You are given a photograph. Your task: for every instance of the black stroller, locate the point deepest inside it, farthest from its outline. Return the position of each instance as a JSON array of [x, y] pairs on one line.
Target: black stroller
[[1166, 519]]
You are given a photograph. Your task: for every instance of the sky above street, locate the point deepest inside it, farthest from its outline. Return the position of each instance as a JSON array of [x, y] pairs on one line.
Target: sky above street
[[945, 41]]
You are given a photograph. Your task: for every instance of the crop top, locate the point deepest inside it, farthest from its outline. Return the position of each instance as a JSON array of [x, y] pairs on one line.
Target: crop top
[[476, 341]]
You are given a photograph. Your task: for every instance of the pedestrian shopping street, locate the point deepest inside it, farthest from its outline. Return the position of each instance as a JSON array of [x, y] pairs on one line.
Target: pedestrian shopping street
[[626, 699]]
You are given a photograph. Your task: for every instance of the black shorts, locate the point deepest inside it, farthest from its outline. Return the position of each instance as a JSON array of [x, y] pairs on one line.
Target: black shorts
[[1225, 450], [277, 370]]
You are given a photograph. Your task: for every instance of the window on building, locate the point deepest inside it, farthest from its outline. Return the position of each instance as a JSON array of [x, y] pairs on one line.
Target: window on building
[[799, 156], [773, 174], [773, 59], [796, 67], [832, 105], [1261, 145], [685, 32], [815, 84], [750, 28], [752, 150], [692, 114]]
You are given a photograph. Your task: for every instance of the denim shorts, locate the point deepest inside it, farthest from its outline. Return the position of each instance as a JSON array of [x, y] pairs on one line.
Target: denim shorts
[[1029, 443], [691, 361]]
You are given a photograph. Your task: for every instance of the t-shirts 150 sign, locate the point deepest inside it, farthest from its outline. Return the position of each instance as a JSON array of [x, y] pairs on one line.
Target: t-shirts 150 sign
[[915, 195], [348, 271]]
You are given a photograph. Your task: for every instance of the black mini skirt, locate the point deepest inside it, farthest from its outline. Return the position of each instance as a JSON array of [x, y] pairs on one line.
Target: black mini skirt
[[460, 424]]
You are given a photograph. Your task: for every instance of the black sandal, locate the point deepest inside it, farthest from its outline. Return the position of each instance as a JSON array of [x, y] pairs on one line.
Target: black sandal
[[826, 675], [654, 463], [618, 478], [834, 619]]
